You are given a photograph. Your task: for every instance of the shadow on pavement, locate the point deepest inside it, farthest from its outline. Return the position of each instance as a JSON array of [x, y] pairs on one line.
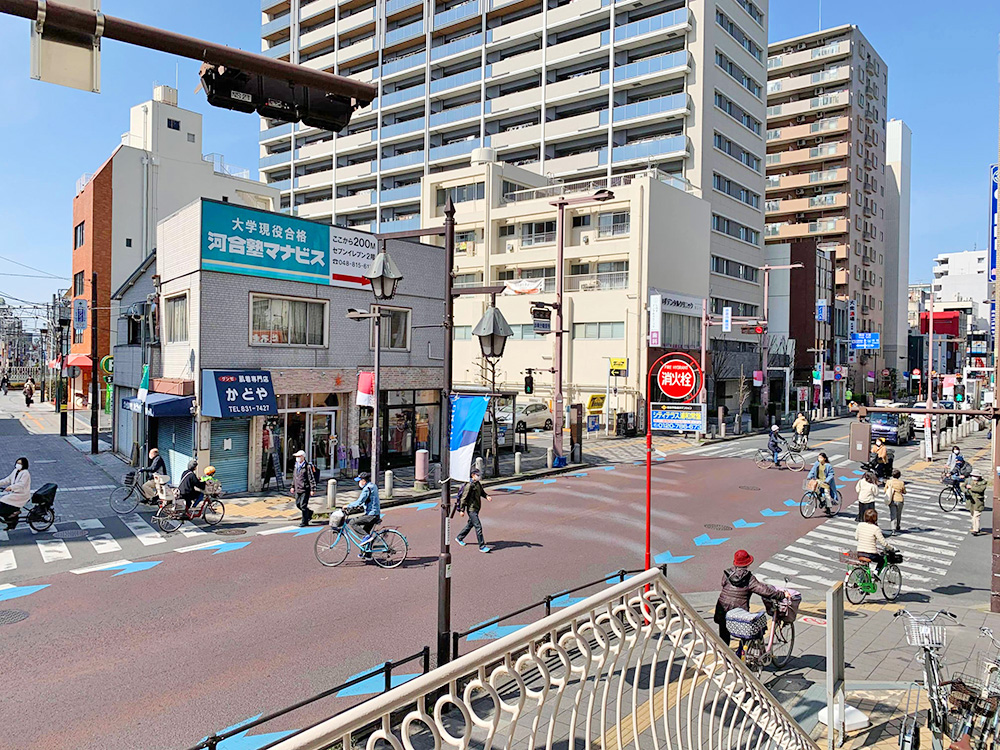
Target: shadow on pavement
[[495, 546]]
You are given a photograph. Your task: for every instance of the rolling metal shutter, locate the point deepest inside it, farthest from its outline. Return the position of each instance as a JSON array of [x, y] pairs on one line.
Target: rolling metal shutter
[[231, 453], [175, 439]]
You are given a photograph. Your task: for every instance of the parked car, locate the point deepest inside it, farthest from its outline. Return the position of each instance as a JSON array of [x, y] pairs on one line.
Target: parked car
[[897, 429], [529, 416]]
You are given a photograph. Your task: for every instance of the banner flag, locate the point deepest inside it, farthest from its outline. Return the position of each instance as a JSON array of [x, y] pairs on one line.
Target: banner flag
[[366, 389], [144, 384], [467, 414]]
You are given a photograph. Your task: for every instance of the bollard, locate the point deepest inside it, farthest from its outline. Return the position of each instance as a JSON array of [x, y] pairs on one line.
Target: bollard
[[722, 429], [331, 494], [574, 454], [479, 465], [935, 441], [549, 454], [423, 461], [517, 462], [388, 483]]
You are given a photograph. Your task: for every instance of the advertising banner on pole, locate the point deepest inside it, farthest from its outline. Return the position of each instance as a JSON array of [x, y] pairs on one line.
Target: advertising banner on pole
[[655, 317], [679, 417], [467, 414], [852, 328]]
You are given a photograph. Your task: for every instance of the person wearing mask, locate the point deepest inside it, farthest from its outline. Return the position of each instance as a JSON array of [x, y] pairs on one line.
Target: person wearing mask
[[880, 457], [156, 466], [303, 486], [368, 501], [17, 492], [867, 488], [470, 502], [190, 488], [5, 383], [895, 490], [975, 498], [29, 392], [775, 443], [822, 473], [738, 584], [869, 537]]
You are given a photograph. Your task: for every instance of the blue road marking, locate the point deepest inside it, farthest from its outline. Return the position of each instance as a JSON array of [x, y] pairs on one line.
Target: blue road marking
[[296, 532], [546, 481], [607, 468], [849, 479], [133, 567], [242, 742], [768, 513], [858, 472], [614, 578], [494, 631], [793, 503], [741, 524], [421, 506], [16, 592], [666, 558], [509, 488], [374, 684], [566, 600], [706, 541], [580, 474]]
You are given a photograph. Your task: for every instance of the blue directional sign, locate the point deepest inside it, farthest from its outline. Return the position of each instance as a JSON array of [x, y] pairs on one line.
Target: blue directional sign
[[681, 418], [866, 340]]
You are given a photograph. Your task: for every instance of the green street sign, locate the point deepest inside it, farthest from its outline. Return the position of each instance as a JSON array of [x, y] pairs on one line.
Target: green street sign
[[109, 379]]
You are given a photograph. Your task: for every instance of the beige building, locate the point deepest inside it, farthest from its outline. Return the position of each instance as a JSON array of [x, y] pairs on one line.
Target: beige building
[[653, 236], [826, 160]]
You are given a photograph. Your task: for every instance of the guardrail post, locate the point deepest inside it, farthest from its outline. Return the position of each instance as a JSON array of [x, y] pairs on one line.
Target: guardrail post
[[454, 645], [331, 494], [548, 458], [387, 671], [548, 605], [426, 659]]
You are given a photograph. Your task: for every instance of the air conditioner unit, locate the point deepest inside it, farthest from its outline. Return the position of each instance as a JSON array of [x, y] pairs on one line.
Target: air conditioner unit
[[800, 216], [800, 46], [820, 91], [800, 191], [789, 49], [803, 142], [800, 118], [510, 247]]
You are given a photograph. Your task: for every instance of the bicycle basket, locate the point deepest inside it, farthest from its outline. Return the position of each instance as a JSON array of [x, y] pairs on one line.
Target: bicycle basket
[[810, 485], [922, 633], [129, 479], [788, 608], [337, 518], [893, 556], [746, 625]]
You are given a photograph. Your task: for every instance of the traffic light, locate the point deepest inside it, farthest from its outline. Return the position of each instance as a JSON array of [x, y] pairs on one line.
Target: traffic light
[[959, 393], [760, 330], [529, 384], [274, 98]]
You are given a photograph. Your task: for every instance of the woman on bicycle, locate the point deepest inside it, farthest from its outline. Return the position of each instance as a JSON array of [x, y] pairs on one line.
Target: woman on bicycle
[[826, 483], [775, 444], [801, 428], [738, 583], [869, 537]]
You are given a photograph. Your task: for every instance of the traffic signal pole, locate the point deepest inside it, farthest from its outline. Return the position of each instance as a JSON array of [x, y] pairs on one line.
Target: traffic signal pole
[[88, 24]]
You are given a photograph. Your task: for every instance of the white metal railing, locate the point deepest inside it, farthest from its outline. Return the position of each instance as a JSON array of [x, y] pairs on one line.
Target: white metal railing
[[590, 186], [218, 162], [632, 666], [593, 282]]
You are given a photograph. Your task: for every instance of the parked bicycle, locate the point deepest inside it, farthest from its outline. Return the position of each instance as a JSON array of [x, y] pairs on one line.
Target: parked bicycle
[[792, 460], [388, 547], [126, 498], [922, 632], [815, 497], [171, 514], [861, 581], [750, 630]]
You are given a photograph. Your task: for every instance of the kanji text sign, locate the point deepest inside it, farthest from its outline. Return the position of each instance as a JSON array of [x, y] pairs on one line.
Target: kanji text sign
[[237, 393]]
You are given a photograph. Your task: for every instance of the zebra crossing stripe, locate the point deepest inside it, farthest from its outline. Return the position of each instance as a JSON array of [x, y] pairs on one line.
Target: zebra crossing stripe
[[192, 531], [53, 550], [104, 543], [142, 530], [7, 561], [779, 569], [90, 523]]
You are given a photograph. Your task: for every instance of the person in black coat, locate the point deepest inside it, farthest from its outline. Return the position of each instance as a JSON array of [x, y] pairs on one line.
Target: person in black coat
[[190, 488]]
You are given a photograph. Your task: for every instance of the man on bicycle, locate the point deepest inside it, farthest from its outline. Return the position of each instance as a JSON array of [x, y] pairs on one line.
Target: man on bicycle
[[801, 428], [775, 444], [190, 488], [156, 466], [368, 500]]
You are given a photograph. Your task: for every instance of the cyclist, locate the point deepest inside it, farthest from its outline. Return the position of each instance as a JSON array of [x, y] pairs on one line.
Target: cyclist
[[156, 466], [738, 584], [190, 488], [368, 500], [822, 473], [869, 536], [17, 493], [880, 457], [801, 428], [775, 444]]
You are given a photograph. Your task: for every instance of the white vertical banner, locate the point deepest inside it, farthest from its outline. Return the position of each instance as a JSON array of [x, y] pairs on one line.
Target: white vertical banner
[[467, 414], [727, 319], [655, 318]]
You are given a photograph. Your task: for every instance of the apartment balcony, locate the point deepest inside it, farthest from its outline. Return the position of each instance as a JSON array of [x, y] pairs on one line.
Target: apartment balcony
[[674, 23], [315, 209], [673, 146], [839, 250], [792, 84], [791, 60], [276, 26], [574, 48], [788, 231], [808, 179], [670, 65], [456, 114], [814, 104], [274, 160], [402, 128], [824, 202], [403, 33], [570, 12], [322, 178], [529, 25], [273, 6], [315, 8], [569, 127], [457, 81], [815, 129], [660, 108], [474, 41], [410, 159], [408, 62], [318, 150], [576, 162], [407, 192], [400, 225], [355, 172], [456, 14], [281, 185], [517, 136], [596, 282], [578, 87], [526, 61], [357, 140], [808, 155], [869, 187], [278, 51], [361, 199], [403, 95], [356, 50], [323, 62], [278, 131], [356, 20], [516, 100], [326, 33], [396, 6], [457, 150]]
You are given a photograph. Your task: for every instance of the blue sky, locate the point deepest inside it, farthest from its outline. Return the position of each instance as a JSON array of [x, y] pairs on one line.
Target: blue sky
[[942, 82]]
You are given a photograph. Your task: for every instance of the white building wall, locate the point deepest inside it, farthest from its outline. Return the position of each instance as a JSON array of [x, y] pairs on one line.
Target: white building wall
[[964, 277], [897, 244]]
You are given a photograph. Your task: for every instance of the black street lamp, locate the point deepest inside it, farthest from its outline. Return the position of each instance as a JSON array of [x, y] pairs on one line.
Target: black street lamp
[[383, 276], [492, 331]]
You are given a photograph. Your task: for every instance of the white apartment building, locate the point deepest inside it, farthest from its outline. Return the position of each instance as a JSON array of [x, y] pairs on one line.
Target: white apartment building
[[964, 277], [897, 247], [653, 236], [826, 162], [563, 90]]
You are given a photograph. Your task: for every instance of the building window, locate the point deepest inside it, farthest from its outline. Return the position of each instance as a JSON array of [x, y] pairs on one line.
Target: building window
[[755, 13], [190, 137], [735, 150], [283, 321], [510, 187], [737, 112], [463, 333], [462, 193], [734, 269], [741, 309], [735, 190], [599, 330], [737, 33], [525, 332], [77, 337], [465, 237], [176, 319], [128, 242], [507, 230], [613, 224], [581, 221], [134, 331], [395, 329], [173, 124], [737, 74], [735, 229], [680, 331], [78, 235], [538, 233], [78, 284]]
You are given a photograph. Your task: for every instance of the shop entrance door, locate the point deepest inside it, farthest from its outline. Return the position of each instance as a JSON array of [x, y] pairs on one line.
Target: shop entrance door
[[323, 431], [298, 440]]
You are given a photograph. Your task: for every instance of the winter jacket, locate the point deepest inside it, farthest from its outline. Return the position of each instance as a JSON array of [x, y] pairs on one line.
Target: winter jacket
[[895, 489], [302, 478], [472, 497], [823, 473], [737, 586], [190, 487], [775, 442], [800, 425], [975, 494], [867, 492], [18, 485], [868, 536]]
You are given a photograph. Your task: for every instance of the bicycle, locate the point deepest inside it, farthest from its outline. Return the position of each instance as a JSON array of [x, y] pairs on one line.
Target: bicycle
[[930, 638], [387, 547], [799, 443], [171, 514], [126, 498], [860, 581], [816, 497], [950, 495], [793, 461], [780, 631]]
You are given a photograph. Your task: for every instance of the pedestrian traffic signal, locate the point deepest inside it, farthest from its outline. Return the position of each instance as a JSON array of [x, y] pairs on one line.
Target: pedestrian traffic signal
[[759, 330], [959, 393], [529, 384]]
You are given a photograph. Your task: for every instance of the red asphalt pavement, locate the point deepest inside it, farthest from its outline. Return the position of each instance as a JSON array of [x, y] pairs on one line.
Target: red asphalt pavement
[[160, 658]]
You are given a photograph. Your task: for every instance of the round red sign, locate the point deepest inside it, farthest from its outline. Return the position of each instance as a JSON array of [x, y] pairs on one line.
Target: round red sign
[[916, 373], [678, 379]]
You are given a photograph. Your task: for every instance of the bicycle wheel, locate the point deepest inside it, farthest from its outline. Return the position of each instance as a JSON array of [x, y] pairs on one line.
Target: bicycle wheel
[[763, 459], [389, 548], [123, 500], [215, 511], [855, 594], [808, 504], [753, 656], [168, 519], [331, 548], [41, 520], [948, 499], [784, 641], [892, 582], [794, 461]]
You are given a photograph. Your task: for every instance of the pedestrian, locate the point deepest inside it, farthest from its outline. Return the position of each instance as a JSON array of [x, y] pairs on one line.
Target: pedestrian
[[5, 383], [895, 489], [303, 486], [867, 489], [470, 502], [975, 498], [28, 391], [738, 583]]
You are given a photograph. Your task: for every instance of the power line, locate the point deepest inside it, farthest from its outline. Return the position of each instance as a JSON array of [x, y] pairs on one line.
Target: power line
[[27, 275], [32, 268]]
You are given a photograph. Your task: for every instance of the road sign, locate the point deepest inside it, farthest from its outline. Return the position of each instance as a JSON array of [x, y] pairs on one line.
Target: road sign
[[885, 372], [678, 379], [727, 319], [866, 340], [916, 373], [67, 60], [838, 372], [541, 318], [618, 367], [108, 364], [686, 418], [71, 372], [803, 393], [109, 379], [79, 315]]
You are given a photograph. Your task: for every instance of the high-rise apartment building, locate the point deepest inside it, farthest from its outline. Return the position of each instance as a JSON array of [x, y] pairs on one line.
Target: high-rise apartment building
[[826, 161], [567, 90], [897, 247]]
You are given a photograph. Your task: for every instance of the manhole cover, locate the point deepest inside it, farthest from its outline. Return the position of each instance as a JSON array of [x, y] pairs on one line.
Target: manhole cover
[[749, 487], [718, 527], [71, 534], [10, 616], [231, 532]]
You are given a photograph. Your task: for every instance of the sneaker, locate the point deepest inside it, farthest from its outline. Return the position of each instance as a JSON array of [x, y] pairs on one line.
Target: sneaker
[[367, 539], [485, 549], [365, 555], [459, 542]]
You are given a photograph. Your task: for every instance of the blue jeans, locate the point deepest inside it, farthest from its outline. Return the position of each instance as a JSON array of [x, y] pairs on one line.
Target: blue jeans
[[777, 455]]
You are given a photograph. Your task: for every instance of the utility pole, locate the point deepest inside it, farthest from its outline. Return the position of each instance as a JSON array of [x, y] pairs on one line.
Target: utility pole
[[95, 386], [444, 557], [61, 361], [557, 331]]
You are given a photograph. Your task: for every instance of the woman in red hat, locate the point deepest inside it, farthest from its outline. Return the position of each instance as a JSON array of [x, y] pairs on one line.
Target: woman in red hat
[[738, 583]]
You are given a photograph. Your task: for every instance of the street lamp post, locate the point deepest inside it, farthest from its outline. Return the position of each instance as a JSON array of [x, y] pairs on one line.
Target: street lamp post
[[765, 389], [493, 332]]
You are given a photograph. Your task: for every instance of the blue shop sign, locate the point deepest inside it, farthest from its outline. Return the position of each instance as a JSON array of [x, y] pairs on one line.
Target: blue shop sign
[[237, 393]]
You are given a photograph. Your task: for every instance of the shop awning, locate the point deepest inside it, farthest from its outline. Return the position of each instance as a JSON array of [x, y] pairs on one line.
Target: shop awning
[[161, 405], [78, 360]]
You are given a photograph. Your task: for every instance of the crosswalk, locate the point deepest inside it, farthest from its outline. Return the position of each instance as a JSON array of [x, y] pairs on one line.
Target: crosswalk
[[738, 449], [929, 544]]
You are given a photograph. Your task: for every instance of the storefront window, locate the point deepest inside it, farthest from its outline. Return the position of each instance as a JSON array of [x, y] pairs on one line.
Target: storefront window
[[299, 401], [427, 397], [397, 398], [271, 443], [296, 437], [401, 433], [428, 422], [321, 400]]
